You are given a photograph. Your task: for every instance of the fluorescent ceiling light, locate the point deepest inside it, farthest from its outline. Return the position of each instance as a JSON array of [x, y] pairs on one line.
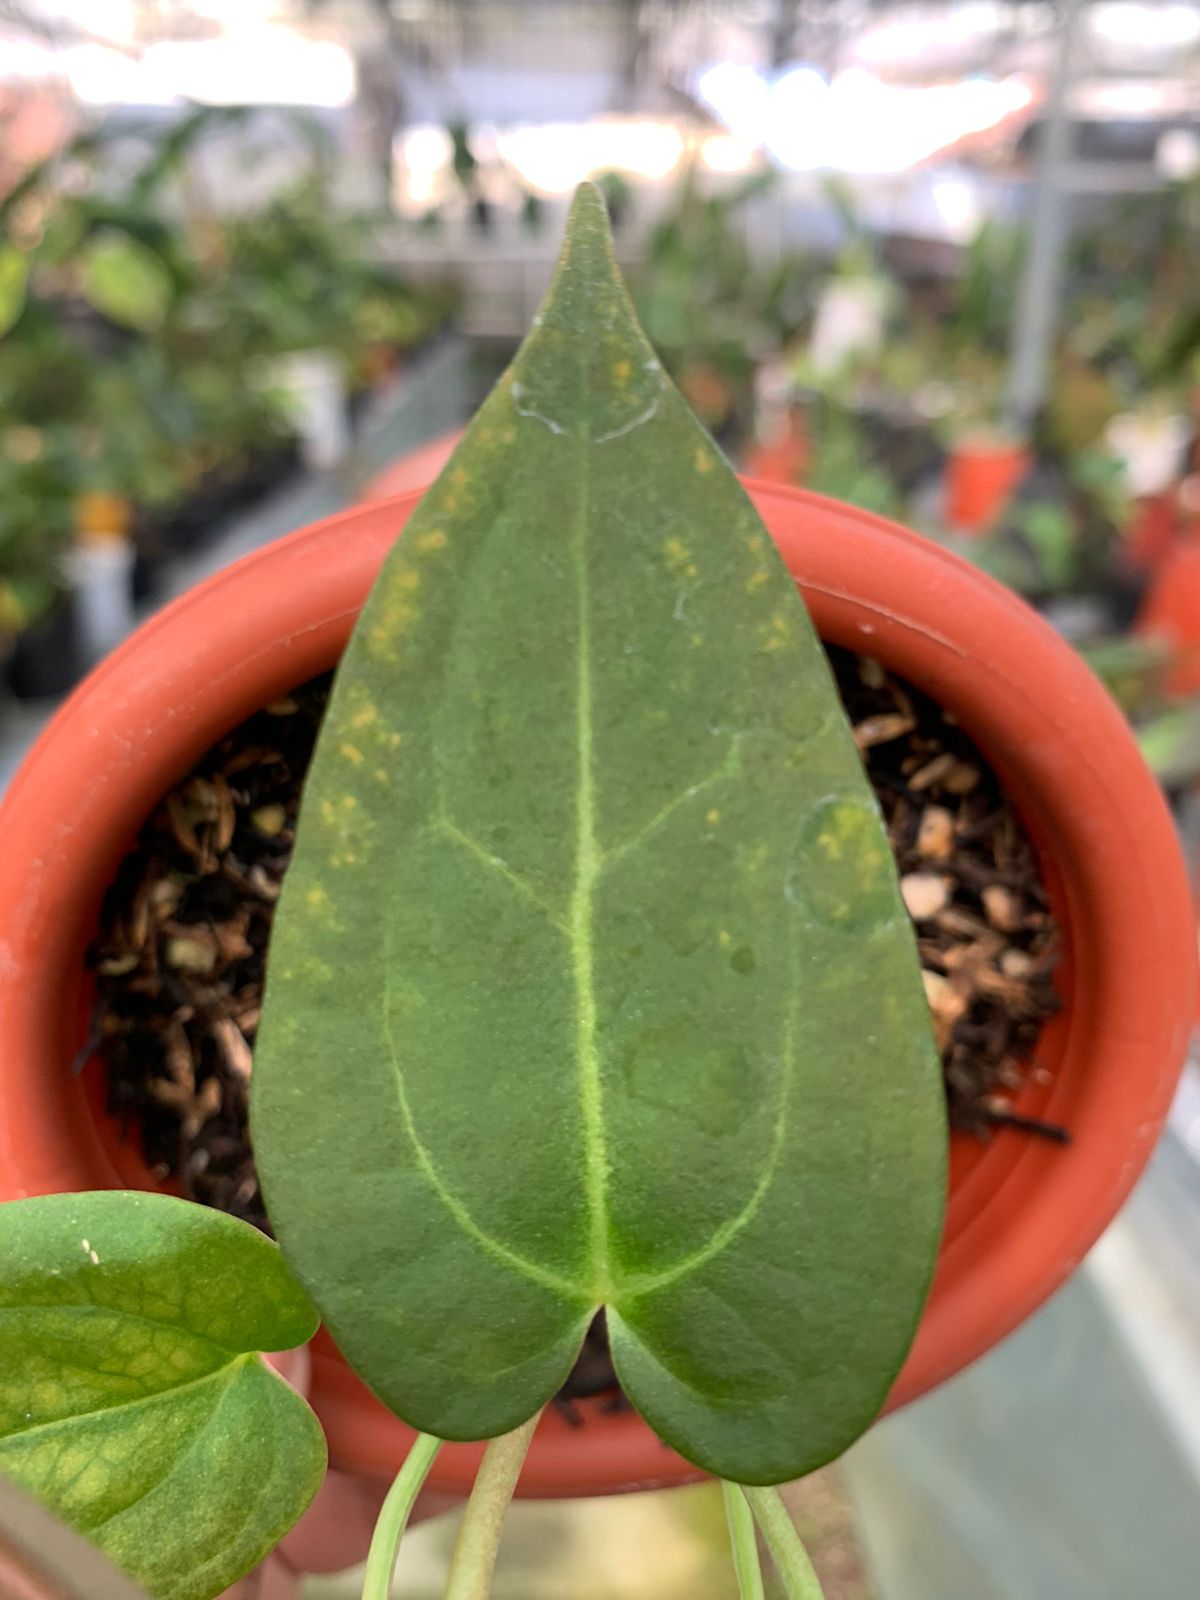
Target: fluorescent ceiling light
[[1149, 26], [250, 66], [554, 157], [856, 123]]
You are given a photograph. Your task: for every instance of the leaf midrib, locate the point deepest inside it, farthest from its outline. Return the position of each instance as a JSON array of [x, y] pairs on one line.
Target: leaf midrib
[[581, 914]]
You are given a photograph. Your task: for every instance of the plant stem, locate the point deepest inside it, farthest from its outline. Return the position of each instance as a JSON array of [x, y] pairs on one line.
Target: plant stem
[[790, 1557], [744, 1542], [393, 1517], [479, 1536]]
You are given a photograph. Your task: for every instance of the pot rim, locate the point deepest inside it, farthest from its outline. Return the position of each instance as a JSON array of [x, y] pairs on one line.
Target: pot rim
[[1022, 1214]]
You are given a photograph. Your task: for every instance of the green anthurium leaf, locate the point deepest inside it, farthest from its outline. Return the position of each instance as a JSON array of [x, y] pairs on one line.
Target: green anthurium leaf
[[14, 280], [126, 282], [591, 984], [132, 1401]]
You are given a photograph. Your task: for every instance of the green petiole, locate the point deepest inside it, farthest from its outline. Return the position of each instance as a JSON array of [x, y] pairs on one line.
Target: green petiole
[[394, 1515], [743, 1541], [483, 1521], [800, 1582]]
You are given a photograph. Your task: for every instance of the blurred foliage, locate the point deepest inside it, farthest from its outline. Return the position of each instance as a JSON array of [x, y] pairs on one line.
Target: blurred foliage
[[139, 323], [1132, 667], [844, 465], [1136, 292], [710, 308], [878, 426]]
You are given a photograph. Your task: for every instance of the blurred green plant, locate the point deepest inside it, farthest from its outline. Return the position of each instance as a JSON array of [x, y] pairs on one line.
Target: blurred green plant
[[711, 310], [37, 475], [842, 463], [1135, 297], [138, 321]]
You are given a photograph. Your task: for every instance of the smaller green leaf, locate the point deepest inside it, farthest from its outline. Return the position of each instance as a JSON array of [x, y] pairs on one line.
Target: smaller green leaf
[[133, 1402], [14, 280], [126, 282]]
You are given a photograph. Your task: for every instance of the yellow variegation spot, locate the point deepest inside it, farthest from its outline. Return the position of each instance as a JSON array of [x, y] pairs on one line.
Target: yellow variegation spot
[[381, 645], [94, 1480], [712, 817], [435, 539], [677, 554], [846, 830], [725, 939], [756, 580], [703, 460], [778, 631], [351, 753], [622, 370], [313, 970], [364, 716]]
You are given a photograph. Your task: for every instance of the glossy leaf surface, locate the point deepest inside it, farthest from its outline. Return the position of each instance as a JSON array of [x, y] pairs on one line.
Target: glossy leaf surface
[[132, 1402], [591, 983]]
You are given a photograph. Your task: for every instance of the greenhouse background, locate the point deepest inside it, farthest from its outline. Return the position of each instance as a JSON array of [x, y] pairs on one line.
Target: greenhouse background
[[937, 260]]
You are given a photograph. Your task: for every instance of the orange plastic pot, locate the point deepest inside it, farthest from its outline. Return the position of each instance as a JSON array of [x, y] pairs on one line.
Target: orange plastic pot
[[1022, 1212], [782, 458], [1170, 610], [980, 478], [1154, 526]]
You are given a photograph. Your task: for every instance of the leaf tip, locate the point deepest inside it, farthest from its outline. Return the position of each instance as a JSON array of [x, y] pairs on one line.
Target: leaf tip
[[588, 233], [588, 208]]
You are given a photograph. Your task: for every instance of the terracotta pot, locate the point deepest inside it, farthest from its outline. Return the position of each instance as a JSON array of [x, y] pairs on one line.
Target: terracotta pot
[[1022, 1212], [981, 475]]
